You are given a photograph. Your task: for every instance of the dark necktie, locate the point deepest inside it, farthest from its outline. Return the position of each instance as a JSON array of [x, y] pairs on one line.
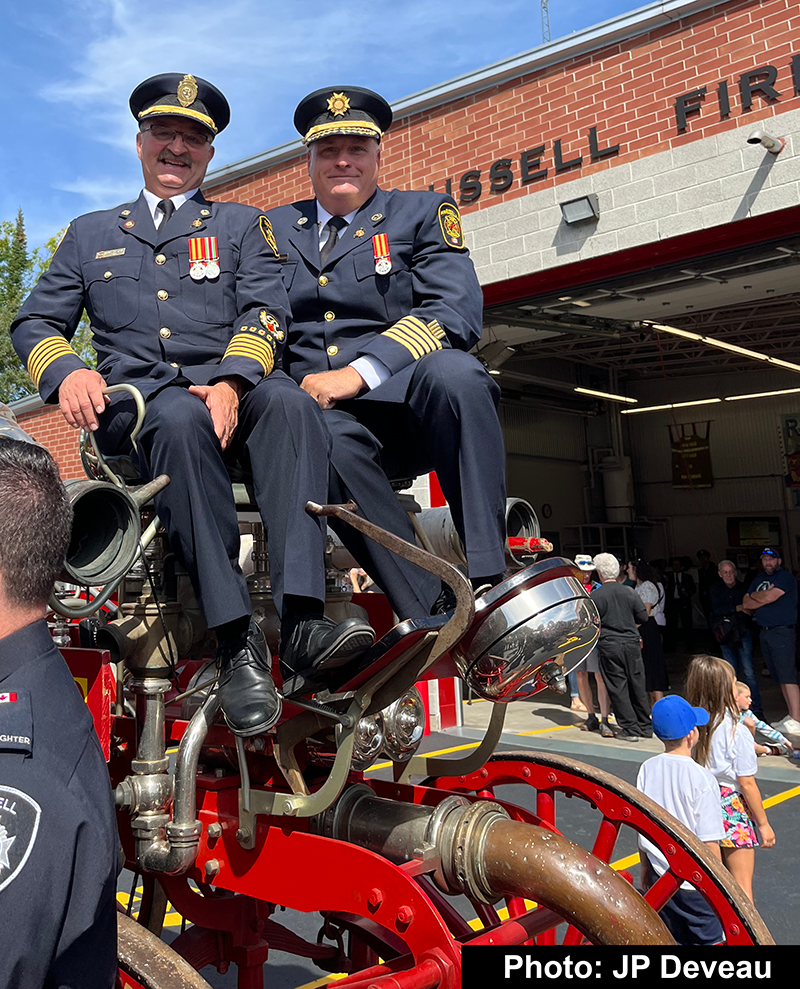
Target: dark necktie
[[167, 207], [334, 225]]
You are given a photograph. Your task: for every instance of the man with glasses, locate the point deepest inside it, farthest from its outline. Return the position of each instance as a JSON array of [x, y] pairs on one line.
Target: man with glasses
[[772, 600], [187, 303]]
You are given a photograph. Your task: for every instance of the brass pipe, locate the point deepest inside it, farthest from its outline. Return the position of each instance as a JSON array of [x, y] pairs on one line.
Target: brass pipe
[[478, 851], [524, 860]]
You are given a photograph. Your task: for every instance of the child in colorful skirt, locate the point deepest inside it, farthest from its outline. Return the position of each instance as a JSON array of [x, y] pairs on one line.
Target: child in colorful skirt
[[726, 748]]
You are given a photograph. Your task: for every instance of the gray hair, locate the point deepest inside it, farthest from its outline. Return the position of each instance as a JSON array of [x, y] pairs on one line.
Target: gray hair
[[719, 565], [607, 566]]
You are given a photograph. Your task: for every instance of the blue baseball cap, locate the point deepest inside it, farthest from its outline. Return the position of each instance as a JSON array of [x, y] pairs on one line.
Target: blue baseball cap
[[674, 717]]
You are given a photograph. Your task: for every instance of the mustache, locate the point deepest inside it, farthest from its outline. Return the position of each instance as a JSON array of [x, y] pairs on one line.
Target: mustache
[[184, 159]]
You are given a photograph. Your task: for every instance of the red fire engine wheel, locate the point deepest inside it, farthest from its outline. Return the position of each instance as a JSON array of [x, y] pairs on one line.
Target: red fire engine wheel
[[620, 805], [386, 924]]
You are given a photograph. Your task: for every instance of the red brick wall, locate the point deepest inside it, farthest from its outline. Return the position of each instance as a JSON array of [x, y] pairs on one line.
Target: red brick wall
[[48, 427], [626, 90]]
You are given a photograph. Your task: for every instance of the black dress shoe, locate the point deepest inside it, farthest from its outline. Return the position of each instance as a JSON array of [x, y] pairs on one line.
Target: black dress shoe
[[313, 645], [247, 692]]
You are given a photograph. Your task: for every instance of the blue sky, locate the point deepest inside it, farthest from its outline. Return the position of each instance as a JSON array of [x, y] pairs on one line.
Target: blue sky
[[68, 67]]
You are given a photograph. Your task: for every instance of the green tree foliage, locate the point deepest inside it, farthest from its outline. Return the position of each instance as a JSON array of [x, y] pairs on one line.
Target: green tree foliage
[[19, 272]]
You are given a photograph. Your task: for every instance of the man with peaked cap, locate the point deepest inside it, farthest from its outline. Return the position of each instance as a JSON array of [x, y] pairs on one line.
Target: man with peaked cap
[[384, 309], [186, 302]]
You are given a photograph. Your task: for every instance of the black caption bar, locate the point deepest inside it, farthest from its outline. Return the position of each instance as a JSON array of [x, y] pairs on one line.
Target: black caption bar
[[560, 967]]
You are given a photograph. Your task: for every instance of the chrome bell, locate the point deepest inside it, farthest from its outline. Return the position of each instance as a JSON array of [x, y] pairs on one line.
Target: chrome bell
[[529, 632]]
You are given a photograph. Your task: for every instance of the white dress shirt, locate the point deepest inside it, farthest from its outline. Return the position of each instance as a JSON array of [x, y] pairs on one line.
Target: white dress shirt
[[373, 371], [153, 200]]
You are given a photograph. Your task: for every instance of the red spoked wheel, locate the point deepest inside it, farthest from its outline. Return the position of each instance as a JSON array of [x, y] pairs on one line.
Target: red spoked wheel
[[620, 805]]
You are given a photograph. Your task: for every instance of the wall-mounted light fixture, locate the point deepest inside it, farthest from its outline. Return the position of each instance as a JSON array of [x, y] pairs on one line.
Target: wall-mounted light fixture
[[582, 210], [773, 144]]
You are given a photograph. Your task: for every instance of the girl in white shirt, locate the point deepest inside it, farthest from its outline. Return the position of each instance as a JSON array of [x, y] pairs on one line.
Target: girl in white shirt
[[726, 748]]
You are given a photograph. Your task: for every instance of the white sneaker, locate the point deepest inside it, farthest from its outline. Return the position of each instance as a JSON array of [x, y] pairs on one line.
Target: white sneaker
[[788, 726]]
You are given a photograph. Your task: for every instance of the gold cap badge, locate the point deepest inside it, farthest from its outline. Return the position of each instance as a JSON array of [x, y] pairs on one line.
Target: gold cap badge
[[338, 104], [187, 91]]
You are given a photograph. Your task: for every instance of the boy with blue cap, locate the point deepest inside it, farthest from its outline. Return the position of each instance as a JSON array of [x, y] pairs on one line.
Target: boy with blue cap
[[690, 793]]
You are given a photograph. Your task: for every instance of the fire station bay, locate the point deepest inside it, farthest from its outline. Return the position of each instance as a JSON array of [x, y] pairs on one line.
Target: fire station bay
[[631, 200]]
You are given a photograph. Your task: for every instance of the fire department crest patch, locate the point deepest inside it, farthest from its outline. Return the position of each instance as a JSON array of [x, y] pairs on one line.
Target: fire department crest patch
[[269, 236], [268, 321], [450, 223], [19, 825]]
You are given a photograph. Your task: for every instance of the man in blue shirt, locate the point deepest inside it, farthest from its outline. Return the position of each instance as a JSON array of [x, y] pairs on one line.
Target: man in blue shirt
[[773, 600]]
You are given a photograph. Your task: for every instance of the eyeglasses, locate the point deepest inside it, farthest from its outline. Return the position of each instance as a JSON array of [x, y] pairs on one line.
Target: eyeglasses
[[768, 552], [191, 139]]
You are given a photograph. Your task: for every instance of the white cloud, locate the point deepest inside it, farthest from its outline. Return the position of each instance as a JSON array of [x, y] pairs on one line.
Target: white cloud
[[264, 55], [100, 194]]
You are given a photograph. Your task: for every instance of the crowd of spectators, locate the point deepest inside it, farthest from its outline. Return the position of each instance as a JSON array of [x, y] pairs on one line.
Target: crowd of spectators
[[706, 775], [721, 608]]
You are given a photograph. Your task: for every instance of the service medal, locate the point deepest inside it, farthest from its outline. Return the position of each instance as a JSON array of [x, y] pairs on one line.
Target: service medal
[[204, 258], [380, 250]]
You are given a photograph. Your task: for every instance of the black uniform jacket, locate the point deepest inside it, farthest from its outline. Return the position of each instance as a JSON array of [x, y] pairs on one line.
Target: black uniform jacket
[[58, 835], [429, 300], [151, 320]]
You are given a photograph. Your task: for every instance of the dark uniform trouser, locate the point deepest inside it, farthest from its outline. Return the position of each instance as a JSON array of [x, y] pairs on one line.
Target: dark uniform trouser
[[622, 670], [281, 439], [447, 423]]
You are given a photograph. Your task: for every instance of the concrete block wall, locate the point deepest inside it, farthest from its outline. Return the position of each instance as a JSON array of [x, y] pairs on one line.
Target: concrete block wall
[[716, 180]]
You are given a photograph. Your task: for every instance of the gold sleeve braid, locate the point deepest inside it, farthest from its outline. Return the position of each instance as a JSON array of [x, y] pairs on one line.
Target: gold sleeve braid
[[43, 355], [255, 343], [417, 337]]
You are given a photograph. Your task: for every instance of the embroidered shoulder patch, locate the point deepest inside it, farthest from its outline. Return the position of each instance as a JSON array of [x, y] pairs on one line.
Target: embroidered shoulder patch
[[269, 236], [19, 825], [450, 223], [268, 321]]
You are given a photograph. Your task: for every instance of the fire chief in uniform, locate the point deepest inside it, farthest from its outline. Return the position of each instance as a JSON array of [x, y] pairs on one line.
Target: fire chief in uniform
[[385, 303], [186, 302], [58, 835]]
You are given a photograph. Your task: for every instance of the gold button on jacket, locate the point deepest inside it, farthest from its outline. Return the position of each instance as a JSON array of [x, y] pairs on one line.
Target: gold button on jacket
[[333, 351], [165, 332], [329, 316]]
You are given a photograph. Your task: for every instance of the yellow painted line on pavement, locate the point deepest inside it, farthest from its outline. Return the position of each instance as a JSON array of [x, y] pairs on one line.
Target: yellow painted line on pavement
[[780, 797], [472, 745], [626, 863], [323, 981], [545, 731]]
